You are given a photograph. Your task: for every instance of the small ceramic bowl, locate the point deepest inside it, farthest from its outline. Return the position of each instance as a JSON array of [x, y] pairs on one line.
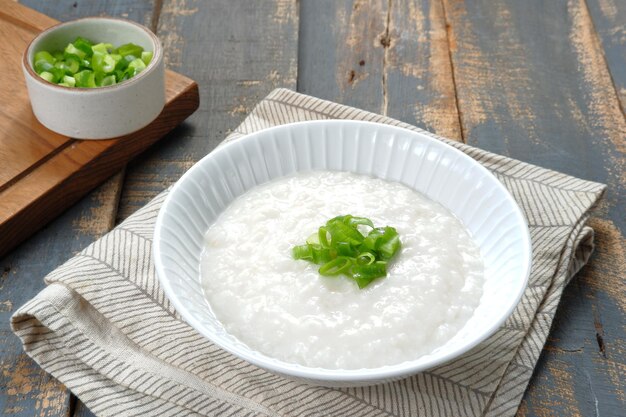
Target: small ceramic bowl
[[103, 112]]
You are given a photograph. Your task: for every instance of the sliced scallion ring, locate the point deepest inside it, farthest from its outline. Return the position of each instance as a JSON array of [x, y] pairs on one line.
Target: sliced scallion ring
[[336, 266]]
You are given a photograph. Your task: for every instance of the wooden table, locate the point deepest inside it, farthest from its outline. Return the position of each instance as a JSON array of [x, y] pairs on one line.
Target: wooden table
[[543, 82]]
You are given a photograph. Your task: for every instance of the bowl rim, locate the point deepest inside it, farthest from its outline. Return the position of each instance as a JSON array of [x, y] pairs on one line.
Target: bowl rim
[[157, 54], [361, 375]]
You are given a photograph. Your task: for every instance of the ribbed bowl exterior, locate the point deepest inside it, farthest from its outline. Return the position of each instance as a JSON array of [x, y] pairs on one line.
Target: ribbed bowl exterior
[[427, 165]]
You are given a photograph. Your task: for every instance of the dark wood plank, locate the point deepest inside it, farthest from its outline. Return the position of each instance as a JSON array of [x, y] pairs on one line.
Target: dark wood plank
[[391, 60], [342, 51], [64, 10], [532, 83], [418, 71], [237, 52], [30, 391], [609, 21]]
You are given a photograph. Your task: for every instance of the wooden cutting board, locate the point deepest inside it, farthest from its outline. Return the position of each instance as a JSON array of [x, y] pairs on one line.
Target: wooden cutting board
[[41, 172]]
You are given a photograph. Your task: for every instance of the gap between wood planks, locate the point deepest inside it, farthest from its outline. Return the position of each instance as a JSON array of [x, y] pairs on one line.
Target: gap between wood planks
[[589, 18], [156, 13], [452, 70], [385, 41]]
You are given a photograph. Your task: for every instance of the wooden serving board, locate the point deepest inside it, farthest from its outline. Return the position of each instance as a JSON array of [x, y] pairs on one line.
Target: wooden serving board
[[41, 172]]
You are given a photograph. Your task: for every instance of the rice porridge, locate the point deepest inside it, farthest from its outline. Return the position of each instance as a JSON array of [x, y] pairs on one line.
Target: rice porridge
[[282, 307]]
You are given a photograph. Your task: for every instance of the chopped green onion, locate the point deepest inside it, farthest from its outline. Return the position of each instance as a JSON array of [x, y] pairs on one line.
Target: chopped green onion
[[130, 49], [108, 80], [44, 61], [346, 249], [343, 232], [117, 58], [360, 220], [91, 65], [84, 45], [388, 243], [63, 67], [335, 266], [41, 66], [58, 74], [340, 247], [119, 75], [371, 239], [365, 258], [103, 63], [69, 81], [85, 78], [322, 255], [322, 237], [44, 56], [73, 65], [313, 239], [135, 67], [146, 56], [302, 252], [47, 76], [364, 274], [102, 48], [72, 51]]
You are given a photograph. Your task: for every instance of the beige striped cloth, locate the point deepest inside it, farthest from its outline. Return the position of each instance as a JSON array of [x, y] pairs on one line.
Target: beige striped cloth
[[104, 328]]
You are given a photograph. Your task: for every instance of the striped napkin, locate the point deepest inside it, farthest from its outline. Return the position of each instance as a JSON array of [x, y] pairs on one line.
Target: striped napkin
[[104, 328]]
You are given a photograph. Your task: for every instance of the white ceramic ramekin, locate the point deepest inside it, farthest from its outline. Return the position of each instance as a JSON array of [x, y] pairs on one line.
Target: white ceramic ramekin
[[103, 112]]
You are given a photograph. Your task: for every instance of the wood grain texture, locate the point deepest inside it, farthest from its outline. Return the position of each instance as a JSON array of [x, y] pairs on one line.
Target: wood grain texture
[[609, 21], [237, 52], [23, 141], [419, 83], [534, 86], [29, 390], [342, 51], [389, 57]]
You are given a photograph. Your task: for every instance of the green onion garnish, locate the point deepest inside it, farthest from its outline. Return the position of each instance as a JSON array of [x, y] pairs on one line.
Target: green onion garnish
[[341, 248], [85, 64]]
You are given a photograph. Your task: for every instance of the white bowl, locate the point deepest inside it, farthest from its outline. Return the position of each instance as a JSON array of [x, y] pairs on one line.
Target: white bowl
[[437, 170], [103, 112]]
